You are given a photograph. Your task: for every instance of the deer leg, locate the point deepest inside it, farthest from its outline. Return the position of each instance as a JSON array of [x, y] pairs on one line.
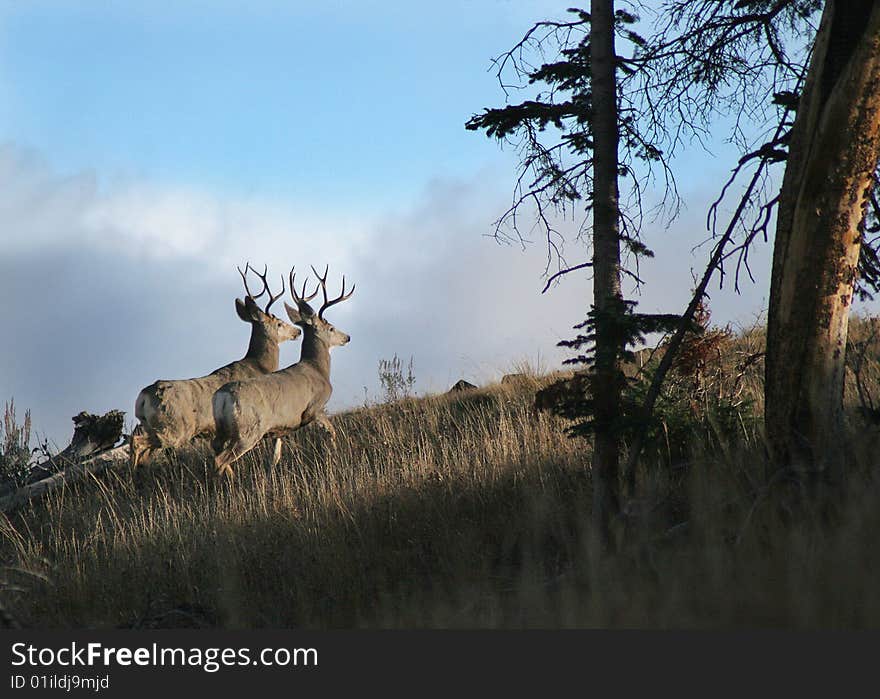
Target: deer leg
[[218, 444], [145, 455], [224, 460], [276, 456], [222, 463], [324, 423], [134, 447], [140, 447]]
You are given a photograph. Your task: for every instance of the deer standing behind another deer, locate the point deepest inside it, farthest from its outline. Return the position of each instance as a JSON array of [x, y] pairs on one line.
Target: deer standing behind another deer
[[171, 413], [279, 403]]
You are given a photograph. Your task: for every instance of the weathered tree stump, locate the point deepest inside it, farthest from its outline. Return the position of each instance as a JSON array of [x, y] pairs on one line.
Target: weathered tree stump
[[91, 434], [91, 450]]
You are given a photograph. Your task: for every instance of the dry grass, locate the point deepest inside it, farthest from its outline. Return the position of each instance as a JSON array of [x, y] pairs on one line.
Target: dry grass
[[467, 511]]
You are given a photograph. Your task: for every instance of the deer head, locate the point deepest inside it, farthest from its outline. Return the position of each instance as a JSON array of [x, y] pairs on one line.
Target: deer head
[[314, 323], [275, 329]]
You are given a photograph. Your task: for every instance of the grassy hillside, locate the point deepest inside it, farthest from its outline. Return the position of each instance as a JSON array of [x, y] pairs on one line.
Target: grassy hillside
[[459, 511]]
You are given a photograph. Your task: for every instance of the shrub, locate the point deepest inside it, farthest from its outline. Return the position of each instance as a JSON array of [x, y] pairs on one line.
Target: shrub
[[396, 385], [15, 452]]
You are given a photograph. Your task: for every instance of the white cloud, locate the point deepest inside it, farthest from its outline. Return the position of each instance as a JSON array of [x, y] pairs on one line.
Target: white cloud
[[43, 209], [149, 222]]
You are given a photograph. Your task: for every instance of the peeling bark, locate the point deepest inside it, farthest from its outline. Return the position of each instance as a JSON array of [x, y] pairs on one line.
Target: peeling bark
[[835, 148]]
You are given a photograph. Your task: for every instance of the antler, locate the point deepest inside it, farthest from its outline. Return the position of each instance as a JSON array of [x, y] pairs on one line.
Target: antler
[[302, 301], [327, 303], [248, 268], [272, 297]]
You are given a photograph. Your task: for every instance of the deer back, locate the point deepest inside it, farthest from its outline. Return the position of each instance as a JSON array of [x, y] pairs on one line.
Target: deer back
[[282, 401]]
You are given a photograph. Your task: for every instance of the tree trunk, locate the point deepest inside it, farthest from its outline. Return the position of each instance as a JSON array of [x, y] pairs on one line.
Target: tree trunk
[[834, 150], [606, 267]]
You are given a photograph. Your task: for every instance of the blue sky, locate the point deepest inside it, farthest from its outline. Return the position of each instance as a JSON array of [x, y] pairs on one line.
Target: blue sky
[[345, 103], [147, 148]]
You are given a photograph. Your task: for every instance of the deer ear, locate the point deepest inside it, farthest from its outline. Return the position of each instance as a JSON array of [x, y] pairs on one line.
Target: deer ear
[[248, 311], [293, 314], [241, 310]]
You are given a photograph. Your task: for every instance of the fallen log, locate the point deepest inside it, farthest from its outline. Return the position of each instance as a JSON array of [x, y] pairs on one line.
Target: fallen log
[[91, 434], [91, 450], [91, 466]]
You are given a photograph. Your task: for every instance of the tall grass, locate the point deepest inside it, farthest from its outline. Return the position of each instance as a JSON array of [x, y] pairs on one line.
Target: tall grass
[[451, 511], [15, 445]]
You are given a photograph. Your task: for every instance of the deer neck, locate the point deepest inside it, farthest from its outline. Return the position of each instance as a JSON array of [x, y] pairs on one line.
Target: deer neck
[[262, 350], [316, 352]]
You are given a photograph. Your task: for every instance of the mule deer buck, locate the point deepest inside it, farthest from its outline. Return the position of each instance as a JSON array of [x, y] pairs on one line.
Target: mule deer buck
[[171, 413], [280, 403]]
